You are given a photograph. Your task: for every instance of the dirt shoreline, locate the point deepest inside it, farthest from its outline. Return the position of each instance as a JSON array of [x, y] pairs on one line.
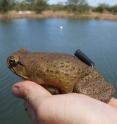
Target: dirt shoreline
[[57, 14]]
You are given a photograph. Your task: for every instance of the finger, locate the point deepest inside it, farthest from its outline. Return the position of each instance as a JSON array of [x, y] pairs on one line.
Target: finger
[[113, 102], [31, 92]]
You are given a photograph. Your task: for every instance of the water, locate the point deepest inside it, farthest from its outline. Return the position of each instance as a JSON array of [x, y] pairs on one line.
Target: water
[[98, 39]]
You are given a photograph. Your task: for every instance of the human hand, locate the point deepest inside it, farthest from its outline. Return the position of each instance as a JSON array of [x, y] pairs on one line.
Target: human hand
[[72, 108]]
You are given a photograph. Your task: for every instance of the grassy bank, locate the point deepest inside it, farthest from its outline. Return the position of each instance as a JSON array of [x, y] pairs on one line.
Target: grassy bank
[[57, 14]]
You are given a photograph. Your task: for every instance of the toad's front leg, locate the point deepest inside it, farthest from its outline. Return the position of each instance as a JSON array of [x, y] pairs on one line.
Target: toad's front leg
[[52, 90]]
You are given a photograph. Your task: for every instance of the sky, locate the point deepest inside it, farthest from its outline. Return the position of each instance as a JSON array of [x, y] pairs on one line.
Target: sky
[[91, 2]]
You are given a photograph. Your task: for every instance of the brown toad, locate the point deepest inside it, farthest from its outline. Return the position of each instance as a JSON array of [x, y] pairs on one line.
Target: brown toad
[[60, 73]]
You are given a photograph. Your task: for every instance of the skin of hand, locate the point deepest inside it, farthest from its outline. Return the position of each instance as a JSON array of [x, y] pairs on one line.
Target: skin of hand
[[71, 108]]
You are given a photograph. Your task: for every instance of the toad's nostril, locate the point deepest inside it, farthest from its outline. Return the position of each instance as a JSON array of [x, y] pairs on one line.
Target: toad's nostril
[[10, 59]]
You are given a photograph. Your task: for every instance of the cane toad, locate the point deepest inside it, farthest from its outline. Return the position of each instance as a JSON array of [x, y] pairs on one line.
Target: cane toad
[[60, 73]]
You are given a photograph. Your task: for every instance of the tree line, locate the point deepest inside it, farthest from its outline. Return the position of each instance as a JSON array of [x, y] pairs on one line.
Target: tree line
[[78, 6]]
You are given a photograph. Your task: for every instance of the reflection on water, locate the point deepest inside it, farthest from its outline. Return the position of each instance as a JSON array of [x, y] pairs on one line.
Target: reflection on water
[[96, 38]]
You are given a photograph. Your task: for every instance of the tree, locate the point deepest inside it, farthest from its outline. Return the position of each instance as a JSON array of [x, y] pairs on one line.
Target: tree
[[113, 9], [6, 5], [77, 5], [102, 7], [39, 5], [76, 2]]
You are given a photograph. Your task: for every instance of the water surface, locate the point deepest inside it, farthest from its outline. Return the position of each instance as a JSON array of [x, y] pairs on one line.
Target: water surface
[[97, 38]]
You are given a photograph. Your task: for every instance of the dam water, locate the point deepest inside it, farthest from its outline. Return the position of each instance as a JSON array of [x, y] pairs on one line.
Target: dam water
[[96, 38]]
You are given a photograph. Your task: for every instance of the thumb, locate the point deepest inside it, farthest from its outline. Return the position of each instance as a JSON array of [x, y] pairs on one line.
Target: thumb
[[31, 92]]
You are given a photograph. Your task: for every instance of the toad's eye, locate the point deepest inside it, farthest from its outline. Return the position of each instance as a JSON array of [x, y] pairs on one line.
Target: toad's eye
[[13, 60]]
